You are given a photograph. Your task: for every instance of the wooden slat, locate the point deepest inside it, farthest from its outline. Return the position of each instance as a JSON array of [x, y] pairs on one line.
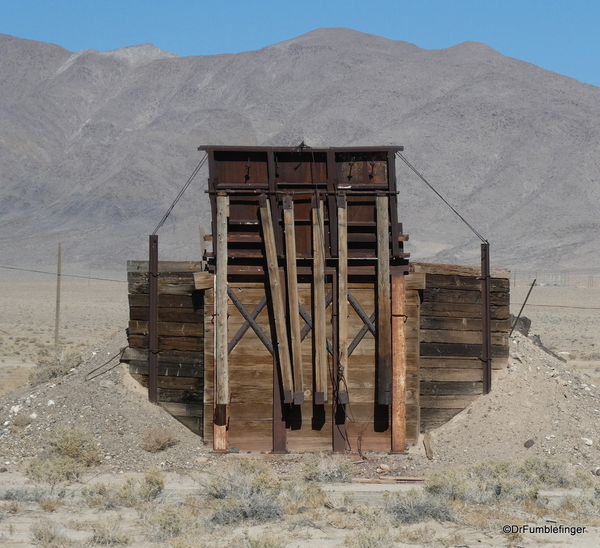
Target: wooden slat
[[398, 442], [179, 315], [384, 331], [452, 375], [283, 352], [460, 310], [166, 266], [204, 280], [175, 357], [292, 291], [466, 324], [462, 337], [433, 294], [195, 344], [342, 215], [466, 283], [415, 280], [172, 371], [168, 329], [183, 409], [429, 388], [461, 350], [453, 269], [434, 418], [319, 306], [447, 402], [221, 335], [167, 301]]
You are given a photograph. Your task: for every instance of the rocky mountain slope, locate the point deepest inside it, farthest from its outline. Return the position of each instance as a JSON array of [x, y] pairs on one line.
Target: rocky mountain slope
[[94, 146]]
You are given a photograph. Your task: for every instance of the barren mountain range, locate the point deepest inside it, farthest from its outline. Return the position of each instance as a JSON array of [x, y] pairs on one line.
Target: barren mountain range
[[94, 146]]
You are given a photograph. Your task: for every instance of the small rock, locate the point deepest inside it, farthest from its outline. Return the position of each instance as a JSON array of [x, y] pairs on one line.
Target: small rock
[[233, 450], [384, 467], [3, 469], [50, 402], [106, 383], [587, 441], [201, 460], [379, 470], [528, 444]]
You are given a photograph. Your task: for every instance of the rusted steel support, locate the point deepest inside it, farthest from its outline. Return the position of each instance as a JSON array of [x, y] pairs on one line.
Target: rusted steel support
[[292, 293], [486, 318], [398, 444], [319, 304], [282, 347], [342, 301], [153, 320], [384, 331], [221, 335]]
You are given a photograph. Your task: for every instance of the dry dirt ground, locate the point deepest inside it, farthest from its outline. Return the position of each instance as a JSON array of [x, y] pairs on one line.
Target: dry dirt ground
[[539, 406]]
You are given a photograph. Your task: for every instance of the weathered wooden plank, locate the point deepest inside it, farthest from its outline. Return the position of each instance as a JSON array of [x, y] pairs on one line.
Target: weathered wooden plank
[[319, 305], [193, 301], [195, 424], [168, 329], [463, 350], [183, 409], [398, 306], [450, 362], [434, 418], [180, 315], [432, 388], [141, 368], [453, 269], [433, 294], [292, 292], [342, 215], [461, 310], [166, 266], [462, 337], [282, 347], [209, 395], [416, 280], [384, 298], [447, 402], [175, 357], [173, 383], [466, 283], [451, 375], [466, 324], [169, 343], [204, 280]]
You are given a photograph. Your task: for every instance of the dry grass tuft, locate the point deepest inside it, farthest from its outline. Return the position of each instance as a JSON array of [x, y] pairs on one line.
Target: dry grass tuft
[[70, 451], [158, 439], [47, 534], [265, 540], [416, 506], [54, 363], [327, 468], [109, 533]]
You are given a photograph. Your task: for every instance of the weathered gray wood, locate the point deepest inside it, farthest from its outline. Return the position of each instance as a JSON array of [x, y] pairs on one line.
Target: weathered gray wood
[[384, 322], [398, 310], [342, 214], [292, 292], [282, 346], [166, 266], [221, 305], [319, 305], [459, 270]]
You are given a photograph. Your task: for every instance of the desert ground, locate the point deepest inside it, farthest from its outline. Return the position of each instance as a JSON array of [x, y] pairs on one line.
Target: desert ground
[[541, 399]]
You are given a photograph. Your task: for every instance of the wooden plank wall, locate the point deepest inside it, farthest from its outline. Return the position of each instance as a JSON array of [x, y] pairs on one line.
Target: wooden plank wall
[[451, 373], [180, 338]]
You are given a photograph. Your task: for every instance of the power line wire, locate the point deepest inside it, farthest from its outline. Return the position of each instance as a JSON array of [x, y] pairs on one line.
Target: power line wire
[[62, 275], [441, 197]]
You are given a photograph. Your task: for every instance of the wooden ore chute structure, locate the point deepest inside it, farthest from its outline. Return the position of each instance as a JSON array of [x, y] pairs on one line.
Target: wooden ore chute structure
[[305, 328], [308, 235]]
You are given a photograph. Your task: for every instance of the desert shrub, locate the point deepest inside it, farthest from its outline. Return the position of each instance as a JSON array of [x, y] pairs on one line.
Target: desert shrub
[[488, 482], [158, 439], [69, 453], [245, 490], [374, 530], [131, 493], [327, 469], [265, 540], [168, 521], [49, 535], [416, 506], [54, 363], [108, 533]]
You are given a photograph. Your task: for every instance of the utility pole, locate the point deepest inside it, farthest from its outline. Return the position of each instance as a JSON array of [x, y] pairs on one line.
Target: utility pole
[[57, 318]]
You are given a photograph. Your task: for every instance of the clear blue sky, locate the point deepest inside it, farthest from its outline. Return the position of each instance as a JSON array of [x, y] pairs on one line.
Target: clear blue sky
[[562, 36]]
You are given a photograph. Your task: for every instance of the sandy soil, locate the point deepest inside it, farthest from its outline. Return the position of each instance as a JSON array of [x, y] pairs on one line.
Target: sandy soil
[[538, 398]]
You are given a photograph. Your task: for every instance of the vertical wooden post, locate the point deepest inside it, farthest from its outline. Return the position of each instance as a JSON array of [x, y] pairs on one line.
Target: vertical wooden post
[[153, 320], [486, 318], [398, 364], [221, 336], [384, 332], [57, 315], [282, 347], [202, 234], [292, 292], [319, 306], [342, 302]]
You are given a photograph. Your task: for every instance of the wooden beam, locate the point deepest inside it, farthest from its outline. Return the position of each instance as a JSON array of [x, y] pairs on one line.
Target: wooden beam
[[384, 324], [319, 305], [398, 444], [292, 292], [153, 320], [342, 299], [221, 336], [282, 347]]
